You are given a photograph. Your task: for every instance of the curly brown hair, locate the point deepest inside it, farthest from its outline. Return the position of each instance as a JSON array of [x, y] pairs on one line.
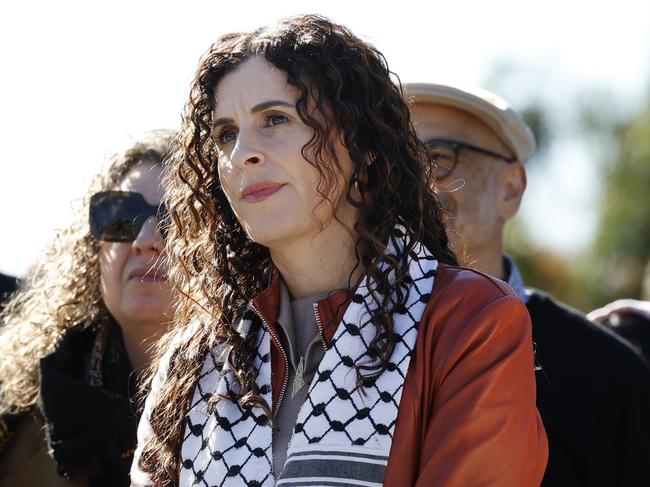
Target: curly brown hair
[[345, 89], [62, 289]]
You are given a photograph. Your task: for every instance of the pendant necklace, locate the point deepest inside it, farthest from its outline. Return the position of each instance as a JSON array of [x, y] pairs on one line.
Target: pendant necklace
[[299, 379]]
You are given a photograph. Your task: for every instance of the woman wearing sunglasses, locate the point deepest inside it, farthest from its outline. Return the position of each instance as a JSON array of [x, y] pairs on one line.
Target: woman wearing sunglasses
[[76, 337], [324, 335]]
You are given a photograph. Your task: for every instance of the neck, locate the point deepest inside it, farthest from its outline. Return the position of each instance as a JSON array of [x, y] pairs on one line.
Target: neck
[[494, 267], [318, 263], [487, 259], [140, 341]]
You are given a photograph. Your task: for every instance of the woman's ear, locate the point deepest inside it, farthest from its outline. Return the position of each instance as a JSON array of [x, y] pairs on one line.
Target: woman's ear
[[513, 184]]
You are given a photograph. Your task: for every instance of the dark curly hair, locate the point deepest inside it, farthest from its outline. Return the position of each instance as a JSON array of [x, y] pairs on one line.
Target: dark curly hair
[[345, 88]]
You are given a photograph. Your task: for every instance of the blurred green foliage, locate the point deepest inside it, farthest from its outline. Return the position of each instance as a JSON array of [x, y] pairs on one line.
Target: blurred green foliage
[[622, 247], [614, 266]]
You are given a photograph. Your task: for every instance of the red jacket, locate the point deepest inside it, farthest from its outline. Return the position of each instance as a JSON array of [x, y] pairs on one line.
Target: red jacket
[[467, 416]]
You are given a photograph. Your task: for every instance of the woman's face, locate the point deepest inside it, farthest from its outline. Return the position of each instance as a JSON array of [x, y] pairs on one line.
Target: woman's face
[[133, 277], [270, 186]]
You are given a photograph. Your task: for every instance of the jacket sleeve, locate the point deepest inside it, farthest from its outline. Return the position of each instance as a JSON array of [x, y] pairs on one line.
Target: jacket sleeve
[[484, 428]]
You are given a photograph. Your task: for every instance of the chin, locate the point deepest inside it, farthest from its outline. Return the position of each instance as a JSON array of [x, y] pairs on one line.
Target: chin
[[152, 309], [270, 233], [149, 317]]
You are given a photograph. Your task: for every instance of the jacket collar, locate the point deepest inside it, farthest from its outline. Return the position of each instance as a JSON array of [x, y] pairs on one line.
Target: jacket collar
[[329, 310], [514, 279]]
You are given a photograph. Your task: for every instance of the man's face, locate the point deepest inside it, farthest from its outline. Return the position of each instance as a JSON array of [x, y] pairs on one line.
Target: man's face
[[471, 193]]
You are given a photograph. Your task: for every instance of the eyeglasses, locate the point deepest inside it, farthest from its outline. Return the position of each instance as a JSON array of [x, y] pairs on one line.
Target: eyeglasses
[[444, 154], [118, 216]]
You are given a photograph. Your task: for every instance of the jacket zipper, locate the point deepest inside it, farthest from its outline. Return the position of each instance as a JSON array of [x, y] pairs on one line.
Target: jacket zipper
[[320, 325], [274, 337]]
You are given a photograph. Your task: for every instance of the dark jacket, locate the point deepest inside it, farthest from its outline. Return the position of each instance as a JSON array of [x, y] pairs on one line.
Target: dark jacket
[[634, 328], [593, 392], [89, 430]]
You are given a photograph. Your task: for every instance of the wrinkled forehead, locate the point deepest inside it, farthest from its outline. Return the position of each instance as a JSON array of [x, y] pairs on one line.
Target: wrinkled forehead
[[145, 178], [253, 82]]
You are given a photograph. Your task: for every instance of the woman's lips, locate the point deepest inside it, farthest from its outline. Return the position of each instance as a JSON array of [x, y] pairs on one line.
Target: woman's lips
[[147, 275], [151, 278], [260, 191]]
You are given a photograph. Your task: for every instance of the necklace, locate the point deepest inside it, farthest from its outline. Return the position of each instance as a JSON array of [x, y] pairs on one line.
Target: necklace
[[299, 379]]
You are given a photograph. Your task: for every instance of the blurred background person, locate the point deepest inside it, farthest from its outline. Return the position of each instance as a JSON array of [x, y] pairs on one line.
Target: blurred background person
[[630, 318], [74, 340], [593, 389]]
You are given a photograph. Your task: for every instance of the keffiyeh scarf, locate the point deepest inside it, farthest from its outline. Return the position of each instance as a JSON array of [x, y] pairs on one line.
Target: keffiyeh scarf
[[343, 433]]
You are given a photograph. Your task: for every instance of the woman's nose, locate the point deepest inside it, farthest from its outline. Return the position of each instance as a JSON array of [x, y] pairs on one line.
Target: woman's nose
[[247, 151], [149, 238]]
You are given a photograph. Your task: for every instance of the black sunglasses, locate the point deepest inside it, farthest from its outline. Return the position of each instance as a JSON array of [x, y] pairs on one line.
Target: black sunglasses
[[444, 154], [118, 216]]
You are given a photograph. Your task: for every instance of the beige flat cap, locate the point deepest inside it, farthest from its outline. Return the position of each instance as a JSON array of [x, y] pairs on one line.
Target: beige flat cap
[[490, 108]]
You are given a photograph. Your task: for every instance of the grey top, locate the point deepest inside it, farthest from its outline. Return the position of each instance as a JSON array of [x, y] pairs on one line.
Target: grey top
[[300, 337]]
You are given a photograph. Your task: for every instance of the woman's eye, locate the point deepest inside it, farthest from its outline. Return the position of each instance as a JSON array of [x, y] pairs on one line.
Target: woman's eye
[[276, 119], [226, 136]]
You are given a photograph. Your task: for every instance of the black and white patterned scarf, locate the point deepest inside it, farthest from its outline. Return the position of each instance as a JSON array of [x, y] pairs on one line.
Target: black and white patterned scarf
[[342, 435]]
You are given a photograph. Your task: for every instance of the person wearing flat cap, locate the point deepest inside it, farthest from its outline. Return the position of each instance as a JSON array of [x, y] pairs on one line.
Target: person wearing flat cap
[[593, 389]]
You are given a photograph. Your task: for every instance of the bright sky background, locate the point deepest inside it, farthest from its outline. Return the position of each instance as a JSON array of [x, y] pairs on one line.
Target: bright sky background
[[78, 77]]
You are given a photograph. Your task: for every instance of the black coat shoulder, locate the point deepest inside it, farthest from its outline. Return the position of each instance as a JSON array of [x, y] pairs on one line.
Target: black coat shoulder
[[562, 332], [593, 394]]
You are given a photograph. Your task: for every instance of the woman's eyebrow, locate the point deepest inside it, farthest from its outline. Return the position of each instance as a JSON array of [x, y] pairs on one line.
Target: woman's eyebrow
[[257, 108], [271, 103], [221, 121]]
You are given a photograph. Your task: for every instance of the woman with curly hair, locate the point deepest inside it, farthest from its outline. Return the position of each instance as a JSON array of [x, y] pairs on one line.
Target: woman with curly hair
[[75, 338], [323, 334]]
